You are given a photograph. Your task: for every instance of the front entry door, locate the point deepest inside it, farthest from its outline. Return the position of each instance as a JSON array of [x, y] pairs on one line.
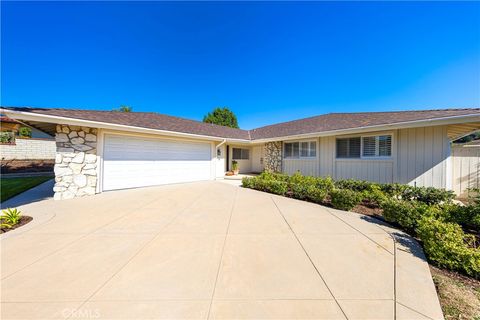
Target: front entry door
[[257, 159]]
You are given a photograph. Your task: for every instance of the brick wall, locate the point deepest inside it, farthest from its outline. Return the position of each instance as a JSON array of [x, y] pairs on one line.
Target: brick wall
[[31, 149]]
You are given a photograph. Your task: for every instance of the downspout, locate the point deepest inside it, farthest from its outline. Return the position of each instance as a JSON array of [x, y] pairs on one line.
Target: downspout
[[221, 143], [216, 155]]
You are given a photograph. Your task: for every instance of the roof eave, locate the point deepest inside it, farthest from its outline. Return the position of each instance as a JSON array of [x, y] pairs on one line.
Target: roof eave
[[31, 116], [398, 125]]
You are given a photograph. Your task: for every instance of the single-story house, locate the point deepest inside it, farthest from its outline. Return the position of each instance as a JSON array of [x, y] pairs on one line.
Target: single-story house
[[98, 151]]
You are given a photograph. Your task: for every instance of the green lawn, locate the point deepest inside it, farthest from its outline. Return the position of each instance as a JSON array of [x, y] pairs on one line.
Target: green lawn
[[12, 186]]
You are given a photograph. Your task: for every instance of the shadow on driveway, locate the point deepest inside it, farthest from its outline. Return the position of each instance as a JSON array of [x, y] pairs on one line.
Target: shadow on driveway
[[38, 193]]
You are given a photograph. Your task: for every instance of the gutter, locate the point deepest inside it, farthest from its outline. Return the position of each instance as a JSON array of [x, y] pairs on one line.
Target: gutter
[[29, 116], [399, 125], [221, 143]]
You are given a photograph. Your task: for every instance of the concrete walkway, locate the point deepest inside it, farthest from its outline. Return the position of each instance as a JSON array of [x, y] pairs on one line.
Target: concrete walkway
[[209, 251]]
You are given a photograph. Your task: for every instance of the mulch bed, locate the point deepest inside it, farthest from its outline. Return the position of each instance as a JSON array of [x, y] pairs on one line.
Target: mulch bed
[[368, 211], [23, 220]]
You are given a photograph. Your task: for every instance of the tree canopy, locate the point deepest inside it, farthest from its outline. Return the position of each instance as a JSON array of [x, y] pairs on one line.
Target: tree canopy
[[124, 108], [222, 116]]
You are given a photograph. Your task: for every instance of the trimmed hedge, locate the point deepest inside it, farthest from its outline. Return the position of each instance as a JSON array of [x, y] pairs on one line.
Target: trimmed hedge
[[426, 195], [345, 199], [448, 246], [405, 213]]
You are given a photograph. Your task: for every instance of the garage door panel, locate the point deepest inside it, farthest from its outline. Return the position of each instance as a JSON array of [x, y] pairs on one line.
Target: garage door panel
[[136, 162]]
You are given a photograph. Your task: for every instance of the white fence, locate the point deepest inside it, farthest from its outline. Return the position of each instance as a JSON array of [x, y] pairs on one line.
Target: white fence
[[466, 168]]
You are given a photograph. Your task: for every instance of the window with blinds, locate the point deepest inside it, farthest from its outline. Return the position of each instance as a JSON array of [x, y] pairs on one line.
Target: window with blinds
[[240, 154], [348, 147], [377, 146], [307, 149]]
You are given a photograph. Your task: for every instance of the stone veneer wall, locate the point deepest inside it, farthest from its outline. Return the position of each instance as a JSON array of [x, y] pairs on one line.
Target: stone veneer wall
[[273, 156], [75, 162]]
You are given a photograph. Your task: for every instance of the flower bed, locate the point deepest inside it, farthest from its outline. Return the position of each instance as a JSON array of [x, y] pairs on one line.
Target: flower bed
[[448, 231]]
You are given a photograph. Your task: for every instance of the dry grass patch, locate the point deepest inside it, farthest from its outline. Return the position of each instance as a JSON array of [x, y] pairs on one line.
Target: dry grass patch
[[459, 295]]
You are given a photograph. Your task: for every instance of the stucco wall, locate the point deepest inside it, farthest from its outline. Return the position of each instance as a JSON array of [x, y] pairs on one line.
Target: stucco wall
[[28, 149]]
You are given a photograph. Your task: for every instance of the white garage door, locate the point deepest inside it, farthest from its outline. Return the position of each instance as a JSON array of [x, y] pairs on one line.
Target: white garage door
[[131, 162]]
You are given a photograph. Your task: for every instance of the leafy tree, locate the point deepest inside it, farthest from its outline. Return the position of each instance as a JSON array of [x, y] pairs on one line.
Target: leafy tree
[[470, 137], [222, 116], [124, 108]]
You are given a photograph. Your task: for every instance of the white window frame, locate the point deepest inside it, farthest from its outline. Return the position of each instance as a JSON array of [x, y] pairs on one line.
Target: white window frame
[[362, 157], [300, 149], [241, 153], [376, 157]]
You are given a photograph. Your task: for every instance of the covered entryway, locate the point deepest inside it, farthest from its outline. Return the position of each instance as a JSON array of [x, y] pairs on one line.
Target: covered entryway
[[131, 161]]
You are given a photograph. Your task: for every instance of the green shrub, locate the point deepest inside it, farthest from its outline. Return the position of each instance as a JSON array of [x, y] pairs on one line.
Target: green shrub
[[344, 199], [249, 182], [7, 137], [267, 175], [405, 213], [467, 216], [428, 195], [10, 217], [25, 132], [352, 184], [448, 246], [299, 190], [276, 187], [393, 189], [316, 194], [374, 196], [325, 183]]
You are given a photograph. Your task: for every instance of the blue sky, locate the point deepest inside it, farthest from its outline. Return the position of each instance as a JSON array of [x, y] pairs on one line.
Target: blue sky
[[269, 62]]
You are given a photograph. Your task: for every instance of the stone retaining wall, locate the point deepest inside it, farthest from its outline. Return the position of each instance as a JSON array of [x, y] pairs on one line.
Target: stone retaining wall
[[75, 162]]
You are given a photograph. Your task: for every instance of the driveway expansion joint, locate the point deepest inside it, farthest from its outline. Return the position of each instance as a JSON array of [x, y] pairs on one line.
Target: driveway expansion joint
[[309, 258]]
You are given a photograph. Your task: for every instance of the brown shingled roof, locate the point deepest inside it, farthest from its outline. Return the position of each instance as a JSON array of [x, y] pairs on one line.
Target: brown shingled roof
[[318, 124], [342, 121], [150, 120]]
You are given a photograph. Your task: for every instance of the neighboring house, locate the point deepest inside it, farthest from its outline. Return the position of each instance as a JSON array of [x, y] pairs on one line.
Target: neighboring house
[[103, 150], [466, 166], [13, 146]]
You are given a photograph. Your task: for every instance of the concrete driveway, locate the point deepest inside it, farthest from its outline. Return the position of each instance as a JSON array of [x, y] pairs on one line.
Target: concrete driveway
[[209, 250]]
